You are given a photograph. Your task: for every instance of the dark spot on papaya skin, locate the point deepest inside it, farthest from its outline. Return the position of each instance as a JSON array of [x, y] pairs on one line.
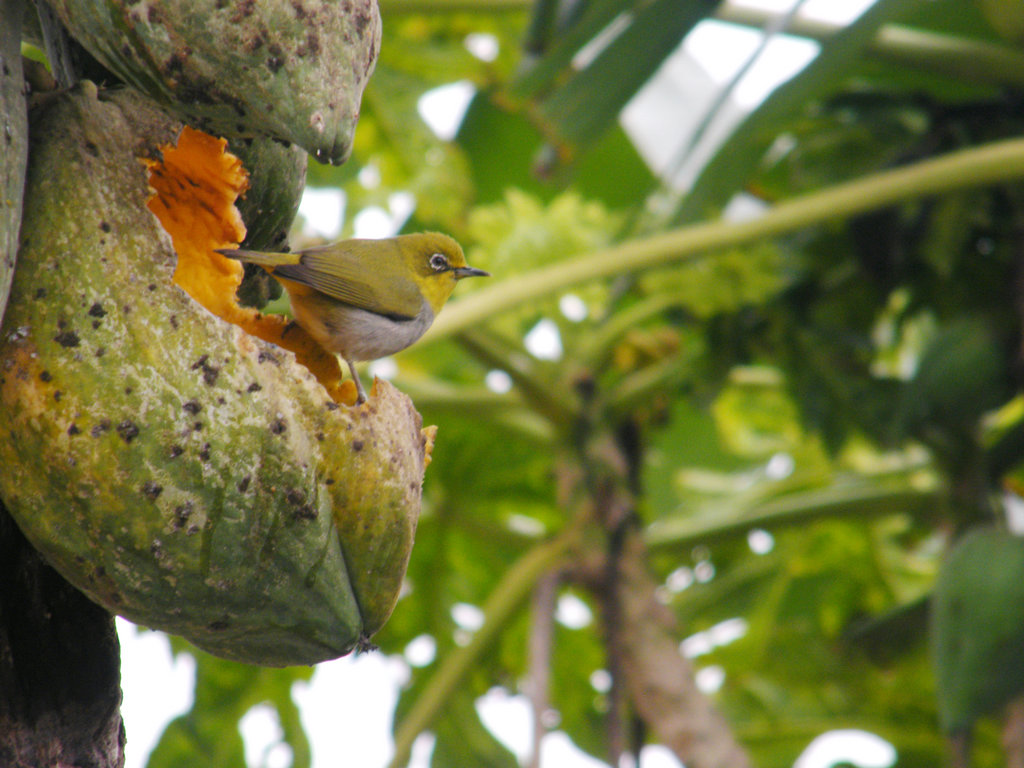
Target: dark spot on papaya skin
[[197, 426], [192, 406], [40, 293], [176, 62], [97, 310], [312, 43], [99, 429], [320, 437], [174, 322], [127, 430], [243, 484], [254, 43], [152, 490], [101, 351], [278, 426], [330, 405], [204, 452], [210, 372], [45, 376], [151, 287], [192, 530], [176, 451], [68, 339], [264, 357], [92, 149], [276, 59], [357, 445], [57, 396], [303, 510], [104, 226], [128, 390], [242, 9], [181, 515], [362, 21], [74, 430], [95, 324], [254, 387]]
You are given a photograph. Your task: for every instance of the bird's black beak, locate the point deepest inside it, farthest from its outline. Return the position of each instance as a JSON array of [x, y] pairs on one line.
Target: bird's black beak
[[461, 272]]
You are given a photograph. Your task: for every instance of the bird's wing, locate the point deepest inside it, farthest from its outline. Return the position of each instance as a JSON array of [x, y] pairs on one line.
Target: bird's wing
[[343, 271]]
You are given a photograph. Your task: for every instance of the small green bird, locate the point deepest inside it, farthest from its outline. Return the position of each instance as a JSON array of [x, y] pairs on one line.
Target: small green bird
[[365, 299]]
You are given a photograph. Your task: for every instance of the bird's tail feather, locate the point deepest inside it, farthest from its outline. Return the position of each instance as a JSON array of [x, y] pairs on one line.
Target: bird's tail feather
[[260, 257]]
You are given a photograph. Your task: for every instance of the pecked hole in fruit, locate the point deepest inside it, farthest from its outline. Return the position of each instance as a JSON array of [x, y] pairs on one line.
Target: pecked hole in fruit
[[195, 186]]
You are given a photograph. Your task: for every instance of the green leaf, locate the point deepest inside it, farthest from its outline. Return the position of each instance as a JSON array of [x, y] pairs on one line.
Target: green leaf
[[583, 108], [734, 162]]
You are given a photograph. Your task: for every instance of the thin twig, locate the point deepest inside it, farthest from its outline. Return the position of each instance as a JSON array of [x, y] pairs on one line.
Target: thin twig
[[1013, 733], [542, 631]]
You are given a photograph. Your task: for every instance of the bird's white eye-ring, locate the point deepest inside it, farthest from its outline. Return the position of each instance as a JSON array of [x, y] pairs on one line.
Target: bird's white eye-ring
[[439, 262]]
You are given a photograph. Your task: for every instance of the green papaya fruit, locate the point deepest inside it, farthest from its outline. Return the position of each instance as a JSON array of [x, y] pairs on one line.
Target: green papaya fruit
[[180, 472], [14, 154], [269, 205], [961, 375], [290, 69], [977, 626]]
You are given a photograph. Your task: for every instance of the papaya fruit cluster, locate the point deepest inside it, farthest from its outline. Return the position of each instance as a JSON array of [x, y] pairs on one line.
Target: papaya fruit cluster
[[184, 470]]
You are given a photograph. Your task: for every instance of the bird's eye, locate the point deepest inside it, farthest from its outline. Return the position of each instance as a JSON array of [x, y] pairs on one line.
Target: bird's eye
[[439, 262]]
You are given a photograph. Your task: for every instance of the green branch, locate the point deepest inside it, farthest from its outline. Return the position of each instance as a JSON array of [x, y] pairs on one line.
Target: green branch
[[959, 57], [507, 411], [500, 607], [558, 406], [793, 509], [392, 7], [988, 164]]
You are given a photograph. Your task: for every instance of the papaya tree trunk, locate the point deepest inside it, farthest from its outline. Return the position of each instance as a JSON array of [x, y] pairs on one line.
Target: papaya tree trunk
[[60, 678]]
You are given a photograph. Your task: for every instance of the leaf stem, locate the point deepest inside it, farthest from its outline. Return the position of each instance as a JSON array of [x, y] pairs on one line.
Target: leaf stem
[[793, 509], [392, 7], [559, 406], [960, 57], [991, 163]]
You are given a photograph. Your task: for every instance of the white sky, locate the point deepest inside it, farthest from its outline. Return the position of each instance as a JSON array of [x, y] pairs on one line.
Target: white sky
[[347, 708]]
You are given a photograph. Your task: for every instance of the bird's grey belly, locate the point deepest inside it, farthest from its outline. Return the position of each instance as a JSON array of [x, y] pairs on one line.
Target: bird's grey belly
[[356, 334]]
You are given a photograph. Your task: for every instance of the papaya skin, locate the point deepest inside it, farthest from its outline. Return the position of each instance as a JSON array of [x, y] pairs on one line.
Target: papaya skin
[[180, 472], [290, 70]]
